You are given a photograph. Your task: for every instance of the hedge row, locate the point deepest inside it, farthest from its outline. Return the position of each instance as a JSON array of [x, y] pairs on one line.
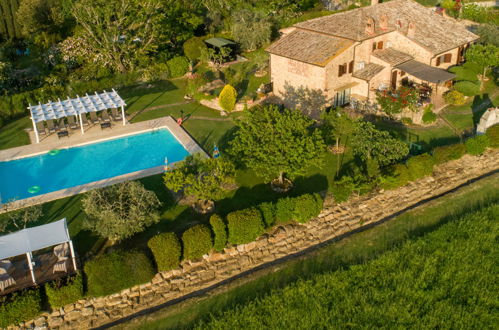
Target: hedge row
[[64, 291], [166, 250], [20, 306]]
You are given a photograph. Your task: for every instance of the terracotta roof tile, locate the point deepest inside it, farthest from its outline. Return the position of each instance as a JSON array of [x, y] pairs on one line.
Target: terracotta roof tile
[[392, 56], [368, 72]]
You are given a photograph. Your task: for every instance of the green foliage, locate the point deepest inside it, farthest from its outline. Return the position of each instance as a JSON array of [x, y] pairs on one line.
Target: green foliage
[[245, 226], [445, 153], [477, 145], [178, 66], [9, 24], [166, 250], [337, 125], [268, 213], [284, 210], [394, 102], [273, 142], [440, 274], [64, 291], [480, 14], [371, 143], [20, 306], [310, 102], [489, 33], [406, 120], [307, 207], [342, 189], [397, 175], [118, 270], [454, 97], [420, 166], [193, 48], [465, 73], [121, 210], [197, 241], [202, 178], [220, 231], [251, 28], [493, 135], [468, 88], [429, 116], [37, 16], [484, 55], [227, 98]]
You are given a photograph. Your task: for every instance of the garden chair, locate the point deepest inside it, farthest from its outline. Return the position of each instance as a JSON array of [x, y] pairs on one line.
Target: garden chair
[[93, 118], [116, 115]]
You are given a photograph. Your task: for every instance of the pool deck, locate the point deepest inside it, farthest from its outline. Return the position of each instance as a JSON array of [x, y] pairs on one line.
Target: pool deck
[[93, 135]]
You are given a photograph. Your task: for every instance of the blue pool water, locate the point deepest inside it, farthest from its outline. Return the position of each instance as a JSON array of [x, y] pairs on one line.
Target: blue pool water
[[92, 162]]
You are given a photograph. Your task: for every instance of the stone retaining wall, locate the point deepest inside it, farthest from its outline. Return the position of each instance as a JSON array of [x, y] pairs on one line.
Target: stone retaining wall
[[281, 242]]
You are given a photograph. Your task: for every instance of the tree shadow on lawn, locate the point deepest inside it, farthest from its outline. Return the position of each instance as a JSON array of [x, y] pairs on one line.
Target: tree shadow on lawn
[[139, 90]]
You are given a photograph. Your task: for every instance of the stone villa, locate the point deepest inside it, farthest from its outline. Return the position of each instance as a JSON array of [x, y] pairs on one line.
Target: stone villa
[[354, 53]]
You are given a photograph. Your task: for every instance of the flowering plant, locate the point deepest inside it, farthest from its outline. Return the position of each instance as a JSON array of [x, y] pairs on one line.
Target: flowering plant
[[393, 102]]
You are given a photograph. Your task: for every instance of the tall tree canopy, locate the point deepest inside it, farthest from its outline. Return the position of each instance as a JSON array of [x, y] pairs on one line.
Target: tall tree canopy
[[486, 56], [273, 142]]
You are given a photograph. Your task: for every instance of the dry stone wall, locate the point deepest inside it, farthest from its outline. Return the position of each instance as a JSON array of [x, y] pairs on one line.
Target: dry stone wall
[[281, 242]]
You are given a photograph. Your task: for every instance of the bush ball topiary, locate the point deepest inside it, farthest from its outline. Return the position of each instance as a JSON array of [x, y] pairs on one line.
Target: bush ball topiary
[[284, 210], [227, 98], [178, 66], [307, 207], [429, 117], [420, 166], [166, 250], [477, 145], [244, 225], [454, 97], [445, 153], [493, 135], [197, 242], [220, 231], [268, 213], [193, 48]]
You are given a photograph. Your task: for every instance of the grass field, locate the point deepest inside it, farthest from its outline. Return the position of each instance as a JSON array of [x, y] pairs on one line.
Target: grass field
[[343, 256]]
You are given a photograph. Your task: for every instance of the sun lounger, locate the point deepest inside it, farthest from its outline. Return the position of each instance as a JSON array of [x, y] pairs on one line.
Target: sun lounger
[[116, 115], [72, 122], [40, 128], [84, 119], [50, 126], [105, 116], [93, 118], [60, 266], [61, 125], [5, 281]]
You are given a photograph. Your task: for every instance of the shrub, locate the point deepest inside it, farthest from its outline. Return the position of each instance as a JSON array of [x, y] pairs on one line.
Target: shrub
[[284, 210], [468, 88], [463, 73], [477, 145], [342, 189], [178, 66], [20, 306], [493, 135], [454, 98], [166, 250], [397, 175], [227, 98], [429, 116], [445, 153], [244, 225], [197, 242], [406, 120], [64, 291], [268, 213], [113, 272], [220, 231], [420, 166], [193, 47], [307, 207]]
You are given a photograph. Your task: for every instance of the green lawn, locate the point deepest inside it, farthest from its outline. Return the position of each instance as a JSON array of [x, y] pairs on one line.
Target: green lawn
[[357, 249], [13, 134]]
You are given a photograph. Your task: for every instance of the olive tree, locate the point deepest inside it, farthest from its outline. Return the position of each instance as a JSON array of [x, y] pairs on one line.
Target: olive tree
[[120, 211]]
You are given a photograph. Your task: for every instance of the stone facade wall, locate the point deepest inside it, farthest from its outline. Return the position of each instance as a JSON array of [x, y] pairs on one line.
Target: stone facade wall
[[281, 242]]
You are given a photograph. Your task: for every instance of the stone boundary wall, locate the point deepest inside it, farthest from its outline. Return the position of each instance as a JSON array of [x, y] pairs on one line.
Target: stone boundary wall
[[281, 242]]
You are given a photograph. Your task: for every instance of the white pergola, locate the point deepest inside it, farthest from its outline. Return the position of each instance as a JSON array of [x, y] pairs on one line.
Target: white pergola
[[76, 107], [36, 238]]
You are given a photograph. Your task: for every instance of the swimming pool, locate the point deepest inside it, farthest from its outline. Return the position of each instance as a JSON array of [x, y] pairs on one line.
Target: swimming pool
[[66, 168]]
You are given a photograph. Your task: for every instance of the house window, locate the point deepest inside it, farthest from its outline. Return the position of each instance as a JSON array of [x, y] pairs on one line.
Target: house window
[[374, 46], [361, 65], [342, 69], [438, 61], [447, 58], [380, 44], [341, 98], [350, 67]]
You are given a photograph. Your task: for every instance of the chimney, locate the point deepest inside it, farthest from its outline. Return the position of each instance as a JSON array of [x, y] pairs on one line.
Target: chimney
[[370, 26], [411, 29], [383, 22]]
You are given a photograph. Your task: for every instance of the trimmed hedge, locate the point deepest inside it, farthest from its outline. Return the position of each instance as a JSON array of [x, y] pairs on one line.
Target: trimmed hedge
[[113, 272], [429, 117], [178, 66], [197, 242], [420, 166], [166, 250], [220, 231], [245, 225], [446, 153], [227, 98], [64, 291], [397, 176], [268, 213], [342, 189], [20, 306], [468, 88], [493, 135], [284, 210], [307, 207], [477, 145]]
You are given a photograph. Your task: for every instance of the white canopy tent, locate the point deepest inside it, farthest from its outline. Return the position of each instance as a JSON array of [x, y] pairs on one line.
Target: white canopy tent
[[36, 238], [76, 107]]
